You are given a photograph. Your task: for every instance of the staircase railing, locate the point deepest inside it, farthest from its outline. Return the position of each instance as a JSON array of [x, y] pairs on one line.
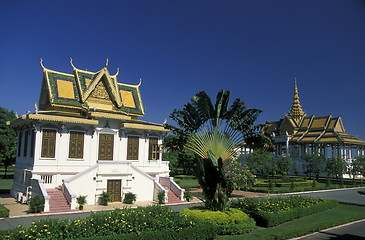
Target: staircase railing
[[172, 185], [69, 195], [158, 187], [38, 189]]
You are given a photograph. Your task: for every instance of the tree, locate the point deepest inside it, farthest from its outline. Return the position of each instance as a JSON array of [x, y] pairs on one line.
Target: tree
[[261, 162], [283, 165], [181, 159], [358, 167], [240, 175], [212, 132], [315, 163], [336, 167], [8, 139]]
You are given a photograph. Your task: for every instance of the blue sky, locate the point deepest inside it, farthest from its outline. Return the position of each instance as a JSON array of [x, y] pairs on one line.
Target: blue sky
[[253, 48]]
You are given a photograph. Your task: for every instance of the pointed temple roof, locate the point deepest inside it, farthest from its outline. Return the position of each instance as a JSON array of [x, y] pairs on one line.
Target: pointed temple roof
[[310, 129], [86, 90], [84, 97], [296, 111]]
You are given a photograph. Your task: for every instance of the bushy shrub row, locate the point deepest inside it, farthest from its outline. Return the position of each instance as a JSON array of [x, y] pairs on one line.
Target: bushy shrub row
[[230, 222], [4, 212], [116, 222], [274, 211], [301, 183], [202, 230]]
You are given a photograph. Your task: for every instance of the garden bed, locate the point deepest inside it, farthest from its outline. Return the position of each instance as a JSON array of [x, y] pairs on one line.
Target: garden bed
[[151, 222], [274, 211]]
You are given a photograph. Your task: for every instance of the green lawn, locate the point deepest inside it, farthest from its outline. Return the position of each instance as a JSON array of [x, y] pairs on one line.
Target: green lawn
[[340, 215], [188, 183], [6, 183]]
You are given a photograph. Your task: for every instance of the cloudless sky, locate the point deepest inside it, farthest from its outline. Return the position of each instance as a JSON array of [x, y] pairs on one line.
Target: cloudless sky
[[253, 48]]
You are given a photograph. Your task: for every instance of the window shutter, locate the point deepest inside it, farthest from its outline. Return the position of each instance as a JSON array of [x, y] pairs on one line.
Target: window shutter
[[106, 145], [48, 143], [153, 149], [133, 146], [76, 149]]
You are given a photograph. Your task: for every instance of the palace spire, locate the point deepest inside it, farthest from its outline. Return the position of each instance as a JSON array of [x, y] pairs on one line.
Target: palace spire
[[296, 111]]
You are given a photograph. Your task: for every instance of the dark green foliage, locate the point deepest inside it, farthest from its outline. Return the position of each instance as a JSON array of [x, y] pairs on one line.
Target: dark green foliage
[[274, 211], [182, 161], [240, 176], [36, 204], [4, 212], [129, 198], [314, 164], [230, 222], [117, 222], [261, 162], [336, 167], [188, 196], [200, 111], [81, 200], [361, 192], [161, 197], [358, 167], [104, 198], [198, 232], [214, 183], [8, 139], [283, 165]]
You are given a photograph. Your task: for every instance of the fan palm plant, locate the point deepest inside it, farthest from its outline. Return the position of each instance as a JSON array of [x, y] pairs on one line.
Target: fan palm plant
[[212, 132]]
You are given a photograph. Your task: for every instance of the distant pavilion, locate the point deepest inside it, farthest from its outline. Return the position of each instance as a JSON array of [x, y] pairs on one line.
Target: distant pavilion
[[297, 134]]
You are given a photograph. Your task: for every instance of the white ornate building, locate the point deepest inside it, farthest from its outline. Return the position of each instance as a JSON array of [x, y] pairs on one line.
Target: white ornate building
[[86, 138]]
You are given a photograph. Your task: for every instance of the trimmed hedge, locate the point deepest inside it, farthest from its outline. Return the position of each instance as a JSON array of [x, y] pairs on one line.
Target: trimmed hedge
[[284, 184], [4, 212], [200, 231], [274, 211], [269, 219], [230, 222]]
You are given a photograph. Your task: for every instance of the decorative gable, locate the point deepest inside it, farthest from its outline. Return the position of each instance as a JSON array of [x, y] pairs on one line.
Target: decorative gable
[[98, 91]]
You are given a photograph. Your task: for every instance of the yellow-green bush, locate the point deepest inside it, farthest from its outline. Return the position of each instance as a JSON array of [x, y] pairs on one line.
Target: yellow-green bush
[[232, 221]]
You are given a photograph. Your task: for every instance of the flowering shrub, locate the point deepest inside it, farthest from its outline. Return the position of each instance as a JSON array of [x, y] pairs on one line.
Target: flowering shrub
[[273, 211], [232, 221], [119, 221]]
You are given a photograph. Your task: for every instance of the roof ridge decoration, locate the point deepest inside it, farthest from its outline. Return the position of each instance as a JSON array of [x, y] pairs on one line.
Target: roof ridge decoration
[[89, 90], [296, 111]]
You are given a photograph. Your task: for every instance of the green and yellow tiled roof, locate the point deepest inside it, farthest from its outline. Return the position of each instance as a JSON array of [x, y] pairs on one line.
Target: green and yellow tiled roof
[[98, 91]]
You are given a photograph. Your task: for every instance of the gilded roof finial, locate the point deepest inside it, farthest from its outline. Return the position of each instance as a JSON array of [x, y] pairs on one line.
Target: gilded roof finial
[[296, 111], [107, 62], [41, 62], [72, 64], [116, 74]]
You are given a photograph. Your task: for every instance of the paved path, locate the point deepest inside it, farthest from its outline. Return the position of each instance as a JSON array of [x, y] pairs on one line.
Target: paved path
[[351, 231], [344, 195]]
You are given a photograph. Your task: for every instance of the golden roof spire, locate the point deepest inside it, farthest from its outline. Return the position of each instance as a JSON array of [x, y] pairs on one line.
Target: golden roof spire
[[296, 111]]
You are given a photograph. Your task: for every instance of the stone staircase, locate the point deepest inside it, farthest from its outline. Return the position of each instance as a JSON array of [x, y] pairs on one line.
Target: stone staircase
[[172, 196], [57, 202]]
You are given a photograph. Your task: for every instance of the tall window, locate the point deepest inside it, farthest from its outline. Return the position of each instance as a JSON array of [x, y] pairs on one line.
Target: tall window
[[132, 148], [76, 148], [48, 143], [26, 135], [106, 144], [153, 149], [32, 144], [20, 143]]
